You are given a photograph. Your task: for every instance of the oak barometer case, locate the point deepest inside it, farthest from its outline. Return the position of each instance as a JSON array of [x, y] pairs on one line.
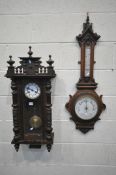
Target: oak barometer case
[[85, 106], [31, 95]]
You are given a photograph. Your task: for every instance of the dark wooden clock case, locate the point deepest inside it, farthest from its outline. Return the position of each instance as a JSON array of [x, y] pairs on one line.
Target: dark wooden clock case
[[31, 70], [86, 85]]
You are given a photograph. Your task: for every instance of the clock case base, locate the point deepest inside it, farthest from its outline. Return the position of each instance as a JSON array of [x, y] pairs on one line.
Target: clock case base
[[34, 144], [84, 125]]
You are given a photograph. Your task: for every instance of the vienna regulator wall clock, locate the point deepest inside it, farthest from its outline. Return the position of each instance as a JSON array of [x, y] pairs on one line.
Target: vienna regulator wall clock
[[32, 115], [85, 106]]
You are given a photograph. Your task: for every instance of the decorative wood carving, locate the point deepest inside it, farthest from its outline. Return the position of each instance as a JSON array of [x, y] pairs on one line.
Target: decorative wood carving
[[31, 95]]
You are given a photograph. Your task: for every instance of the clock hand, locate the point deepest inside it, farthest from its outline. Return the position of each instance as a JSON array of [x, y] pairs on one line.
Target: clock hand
[[28, 88], [36, 91], [32, 89], [86, 106]]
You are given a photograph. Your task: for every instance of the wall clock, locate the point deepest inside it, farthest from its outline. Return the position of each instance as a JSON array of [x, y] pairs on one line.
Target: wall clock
[[85, 106], [31, 94]]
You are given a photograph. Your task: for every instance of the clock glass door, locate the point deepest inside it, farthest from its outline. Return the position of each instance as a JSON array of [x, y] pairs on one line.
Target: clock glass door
[[32, 110]]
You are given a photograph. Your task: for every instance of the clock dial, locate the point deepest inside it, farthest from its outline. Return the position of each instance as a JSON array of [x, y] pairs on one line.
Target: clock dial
[[32, 90], [86, 107], [87, 61]]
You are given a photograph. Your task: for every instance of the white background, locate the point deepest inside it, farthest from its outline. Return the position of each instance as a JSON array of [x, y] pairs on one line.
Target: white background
[[50, 27]]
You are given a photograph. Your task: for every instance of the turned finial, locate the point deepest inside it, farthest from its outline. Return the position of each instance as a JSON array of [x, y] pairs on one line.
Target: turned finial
[[10, 61], [50, 61], [30, 53], [87, 20]]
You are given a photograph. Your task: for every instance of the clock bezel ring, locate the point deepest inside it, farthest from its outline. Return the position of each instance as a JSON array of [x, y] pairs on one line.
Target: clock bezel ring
[[79, 94]]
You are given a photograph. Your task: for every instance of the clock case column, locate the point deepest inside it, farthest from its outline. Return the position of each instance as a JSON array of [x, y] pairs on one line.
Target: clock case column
[[16, 116]]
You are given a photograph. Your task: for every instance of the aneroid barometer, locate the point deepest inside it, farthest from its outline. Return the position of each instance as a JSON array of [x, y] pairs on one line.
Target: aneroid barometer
[[31, 94], [85, 106]]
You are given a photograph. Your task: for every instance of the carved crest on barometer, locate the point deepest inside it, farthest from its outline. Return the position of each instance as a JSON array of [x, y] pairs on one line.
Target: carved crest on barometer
[[85, 106]]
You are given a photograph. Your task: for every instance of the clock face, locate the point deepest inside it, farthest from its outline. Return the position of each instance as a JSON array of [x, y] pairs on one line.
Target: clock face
[[86, 107], [32, 90]]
